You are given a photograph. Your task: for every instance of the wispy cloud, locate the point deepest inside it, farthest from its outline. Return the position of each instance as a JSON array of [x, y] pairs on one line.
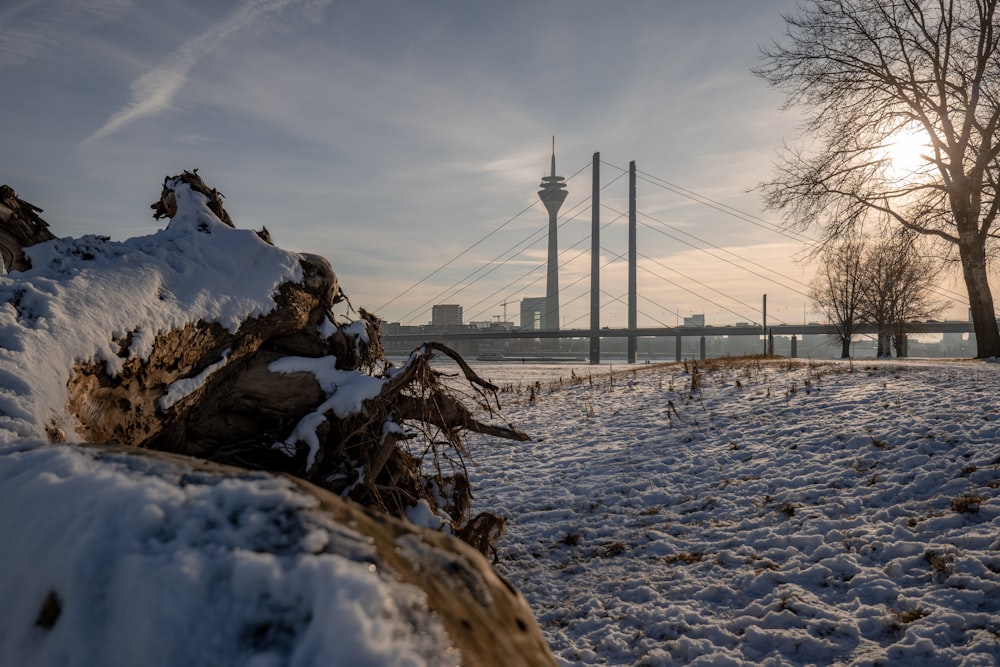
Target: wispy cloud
[[30, 28], [155, 90]]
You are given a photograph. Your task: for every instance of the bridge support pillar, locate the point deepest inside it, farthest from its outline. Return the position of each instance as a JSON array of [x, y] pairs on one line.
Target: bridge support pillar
[[677, 348], [795, 347], [595, 262], [633, 351], [701, 348]]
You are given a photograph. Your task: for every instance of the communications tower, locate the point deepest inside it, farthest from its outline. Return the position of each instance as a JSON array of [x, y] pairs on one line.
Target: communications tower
[[553, 194]]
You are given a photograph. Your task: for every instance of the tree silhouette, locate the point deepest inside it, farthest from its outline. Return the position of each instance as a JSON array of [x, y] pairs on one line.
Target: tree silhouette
[[886, 283], [897, 288], [867, 74], [838, 290]]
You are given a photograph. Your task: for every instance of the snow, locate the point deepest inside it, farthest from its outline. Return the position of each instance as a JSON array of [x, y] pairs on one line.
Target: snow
[[347, 391], [157, 565], [780, 514], [184, 387], [752, 512], [83, 296], [110, 558]]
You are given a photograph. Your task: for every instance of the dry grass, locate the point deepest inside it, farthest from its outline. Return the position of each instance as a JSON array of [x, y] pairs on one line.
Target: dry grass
[[688, 558], [905, 616], [941, 563], [967, 503]]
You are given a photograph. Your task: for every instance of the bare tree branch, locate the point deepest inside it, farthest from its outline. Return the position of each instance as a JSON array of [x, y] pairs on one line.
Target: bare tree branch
[[865, 71]]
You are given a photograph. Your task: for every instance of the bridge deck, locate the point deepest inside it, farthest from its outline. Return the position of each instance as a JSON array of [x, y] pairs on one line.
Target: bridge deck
[[684, 332]]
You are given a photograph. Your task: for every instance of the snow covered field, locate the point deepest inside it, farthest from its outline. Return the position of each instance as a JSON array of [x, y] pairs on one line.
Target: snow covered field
[[776, 513], [747, 512]]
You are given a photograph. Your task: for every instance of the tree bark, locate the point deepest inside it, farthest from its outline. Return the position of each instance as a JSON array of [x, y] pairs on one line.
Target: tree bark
[[973, 255], [845, 347]]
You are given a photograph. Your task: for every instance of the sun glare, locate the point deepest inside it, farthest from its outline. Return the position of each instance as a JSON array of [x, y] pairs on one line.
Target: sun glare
[[906, 152]]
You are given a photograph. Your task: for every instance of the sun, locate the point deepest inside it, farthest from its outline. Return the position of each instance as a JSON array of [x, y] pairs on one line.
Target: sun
[[906, 154]]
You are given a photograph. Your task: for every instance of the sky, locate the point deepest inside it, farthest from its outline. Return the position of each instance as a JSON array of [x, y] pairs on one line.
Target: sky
[[404, 141]]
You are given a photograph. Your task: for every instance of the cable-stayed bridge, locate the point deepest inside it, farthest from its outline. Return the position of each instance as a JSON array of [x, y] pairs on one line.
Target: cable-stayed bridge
[[545, 326], [793, 332]]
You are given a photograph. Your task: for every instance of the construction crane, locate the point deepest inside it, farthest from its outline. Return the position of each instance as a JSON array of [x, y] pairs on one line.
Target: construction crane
[[504, 304]]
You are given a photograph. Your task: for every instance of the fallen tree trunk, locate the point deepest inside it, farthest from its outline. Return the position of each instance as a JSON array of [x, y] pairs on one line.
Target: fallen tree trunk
[[244, 407], [20, 226], [147, 347]]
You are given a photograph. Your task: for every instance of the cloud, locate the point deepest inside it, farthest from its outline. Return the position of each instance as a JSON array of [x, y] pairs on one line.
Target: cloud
[[31, 28], [155, 90]]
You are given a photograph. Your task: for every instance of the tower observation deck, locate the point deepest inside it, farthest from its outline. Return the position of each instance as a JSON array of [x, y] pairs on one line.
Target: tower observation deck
[[553, 193]]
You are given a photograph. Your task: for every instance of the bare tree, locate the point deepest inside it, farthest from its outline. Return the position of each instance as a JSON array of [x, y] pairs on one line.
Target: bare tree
[[837, 290], [879, 269], [897, 289], [868, 72]]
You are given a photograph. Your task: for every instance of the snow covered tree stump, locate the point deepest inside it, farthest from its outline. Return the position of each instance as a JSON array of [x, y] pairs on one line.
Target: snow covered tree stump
[[204, 342]]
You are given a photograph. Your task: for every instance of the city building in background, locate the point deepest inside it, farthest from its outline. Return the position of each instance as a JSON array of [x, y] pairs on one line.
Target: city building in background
[[533, 313], [695, 321], [446, 315]]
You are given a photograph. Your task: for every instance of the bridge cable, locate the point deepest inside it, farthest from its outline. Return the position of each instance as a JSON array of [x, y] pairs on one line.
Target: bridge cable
[[767, 225], [531, 239], [464, 252]]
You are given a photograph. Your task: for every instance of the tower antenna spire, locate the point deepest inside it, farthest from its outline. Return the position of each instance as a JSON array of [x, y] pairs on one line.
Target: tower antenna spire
[[553, 155]]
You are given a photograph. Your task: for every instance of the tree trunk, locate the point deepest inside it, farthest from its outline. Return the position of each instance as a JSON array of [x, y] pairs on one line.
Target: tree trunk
[[845, 347], [884, 345], [901, 343], [973, 255]]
